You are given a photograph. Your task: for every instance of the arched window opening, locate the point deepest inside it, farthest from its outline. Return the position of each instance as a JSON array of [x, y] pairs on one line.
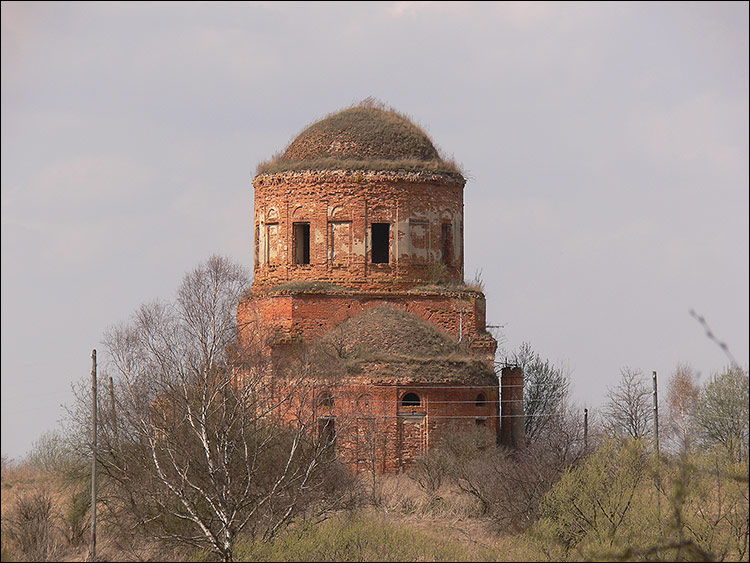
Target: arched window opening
[[325, 399], [480, 400], [327, 430], [410, 400]]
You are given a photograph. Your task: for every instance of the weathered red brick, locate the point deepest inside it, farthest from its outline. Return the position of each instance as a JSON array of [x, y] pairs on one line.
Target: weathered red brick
[[317, 264]]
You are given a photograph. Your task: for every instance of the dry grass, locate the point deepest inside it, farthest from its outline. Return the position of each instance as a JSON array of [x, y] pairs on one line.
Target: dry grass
[[36, 523], [469, 290], [446, 522], [450, 516], [395, 333], [304, 286], [386, 342], [34, 530]]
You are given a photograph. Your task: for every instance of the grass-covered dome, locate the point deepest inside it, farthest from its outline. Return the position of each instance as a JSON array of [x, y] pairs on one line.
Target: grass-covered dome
[[389, 345], [367, 136], [387, 331]]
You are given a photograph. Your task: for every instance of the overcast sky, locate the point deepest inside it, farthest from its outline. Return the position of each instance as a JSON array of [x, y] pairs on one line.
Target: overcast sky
[[605, 147]]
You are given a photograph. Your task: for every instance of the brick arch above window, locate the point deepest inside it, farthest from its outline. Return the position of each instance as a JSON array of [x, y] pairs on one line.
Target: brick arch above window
[[325, 398]]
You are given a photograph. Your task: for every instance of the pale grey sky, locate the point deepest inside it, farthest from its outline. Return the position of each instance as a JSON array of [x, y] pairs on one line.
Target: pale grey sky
[[605, 146]]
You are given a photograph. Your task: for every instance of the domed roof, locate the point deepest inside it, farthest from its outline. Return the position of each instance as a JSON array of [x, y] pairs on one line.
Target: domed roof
[[388, 344], [389, 331], [367, 137]]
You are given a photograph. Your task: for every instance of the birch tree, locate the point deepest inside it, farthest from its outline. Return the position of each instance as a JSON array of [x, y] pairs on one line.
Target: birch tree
[[682, 397], [194, 448]]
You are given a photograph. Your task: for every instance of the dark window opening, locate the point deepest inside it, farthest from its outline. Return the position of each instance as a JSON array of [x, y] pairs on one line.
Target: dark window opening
[[480, 421], [447, 244], [327, 430], [480, 400], [325, 399], [301, 243], [381, 235], [410, 400]]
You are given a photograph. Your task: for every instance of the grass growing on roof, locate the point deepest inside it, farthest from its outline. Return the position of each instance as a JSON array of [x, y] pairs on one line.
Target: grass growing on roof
[[367, 136], [307, 287]]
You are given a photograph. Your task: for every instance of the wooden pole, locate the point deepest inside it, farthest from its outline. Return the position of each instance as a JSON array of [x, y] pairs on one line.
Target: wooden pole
[[656, 415], [656, 445], [93, 455], [585, 431]]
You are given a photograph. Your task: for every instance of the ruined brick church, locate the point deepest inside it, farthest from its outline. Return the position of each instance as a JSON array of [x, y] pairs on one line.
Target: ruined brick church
[[359, 248]]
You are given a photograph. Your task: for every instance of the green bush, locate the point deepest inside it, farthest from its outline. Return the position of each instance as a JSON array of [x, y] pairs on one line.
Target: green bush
[[622, 505], [359, 538], [76, 517]]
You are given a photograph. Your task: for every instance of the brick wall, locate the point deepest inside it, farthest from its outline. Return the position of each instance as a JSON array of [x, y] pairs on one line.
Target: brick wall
[[310, 315], [374, 429], [424, 214], [328, 245]]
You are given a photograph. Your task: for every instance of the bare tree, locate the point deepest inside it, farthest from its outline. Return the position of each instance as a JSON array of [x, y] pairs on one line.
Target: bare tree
[[31, 528], [682, 397], [722, 412], [545, 390], [201, 441], [628, 412], [508, 484]]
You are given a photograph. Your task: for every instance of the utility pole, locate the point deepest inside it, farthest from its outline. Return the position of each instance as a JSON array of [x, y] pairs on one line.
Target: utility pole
[[585, 431], [93, 455], [656, 415], [656, 444]]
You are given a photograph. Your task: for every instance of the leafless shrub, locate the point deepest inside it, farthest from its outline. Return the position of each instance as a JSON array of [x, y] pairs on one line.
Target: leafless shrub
[[31, 528], [628, 411], [430, 471], [545, 389], [509, 485], [48, 453]]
